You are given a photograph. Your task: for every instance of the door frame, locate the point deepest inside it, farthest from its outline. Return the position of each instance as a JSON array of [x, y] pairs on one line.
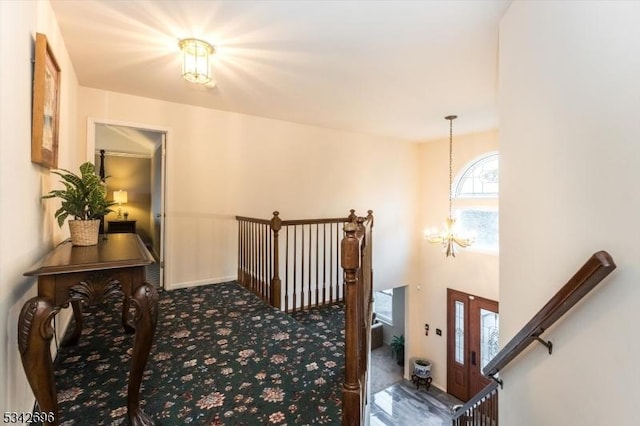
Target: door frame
[[460, 377], [164, 201]]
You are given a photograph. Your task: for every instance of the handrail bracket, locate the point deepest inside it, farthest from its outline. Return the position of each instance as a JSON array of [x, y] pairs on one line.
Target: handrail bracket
[[498, 381], [547, 343]]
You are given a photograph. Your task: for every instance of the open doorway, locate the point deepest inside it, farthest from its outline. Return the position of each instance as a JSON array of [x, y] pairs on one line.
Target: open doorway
[[133, 158], [387, 331]]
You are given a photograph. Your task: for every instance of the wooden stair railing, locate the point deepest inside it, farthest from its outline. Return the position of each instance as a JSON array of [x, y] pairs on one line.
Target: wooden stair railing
[[292, 264], [318, 268], [365, 296], [256, 255], [356, 261], [481, 409]]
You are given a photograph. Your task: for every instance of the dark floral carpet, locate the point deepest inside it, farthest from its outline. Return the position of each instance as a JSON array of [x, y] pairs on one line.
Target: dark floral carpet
[[220, 357], [326, 323]]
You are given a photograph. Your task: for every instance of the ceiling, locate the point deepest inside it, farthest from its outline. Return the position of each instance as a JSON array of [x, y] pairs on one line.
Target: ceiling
[[393, 68]]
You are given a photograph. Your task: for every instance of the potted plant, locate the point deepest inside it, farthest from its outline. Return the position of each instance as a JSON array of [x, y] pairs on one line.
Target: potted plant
[[397, 348], [84, 199]]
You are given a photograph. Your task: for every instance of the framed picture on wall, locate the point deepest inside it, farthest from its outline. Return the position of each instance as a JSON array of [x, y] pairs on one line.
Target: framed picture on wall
[[46, 105]]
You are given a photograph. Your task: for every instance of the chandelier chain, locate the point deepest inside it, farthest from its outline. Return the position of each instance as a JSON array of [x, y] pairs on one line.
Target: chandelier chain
[[450, 118], [449, 238]]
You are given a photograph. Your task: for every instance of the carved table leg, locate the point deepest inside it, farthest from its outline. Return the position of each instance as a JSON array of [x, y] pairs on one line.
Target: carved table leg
[[125, 315], [145, 303], [73, 339], [34, 338]]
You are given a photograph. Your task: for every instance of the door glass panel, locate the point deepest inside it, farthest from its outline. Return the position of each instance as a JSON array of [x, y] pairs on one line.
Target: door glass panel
[[459, 346], [488, 336]]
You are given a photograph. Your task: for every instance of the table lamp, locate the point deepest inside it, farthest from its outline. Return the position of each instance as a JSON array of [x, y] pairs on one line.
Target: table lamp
[[120, 197]]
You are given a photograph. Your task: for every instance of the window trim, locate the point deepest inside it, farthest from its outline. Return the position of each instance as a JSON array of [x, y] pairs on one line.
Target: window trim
[[383, 318], [463, 171]]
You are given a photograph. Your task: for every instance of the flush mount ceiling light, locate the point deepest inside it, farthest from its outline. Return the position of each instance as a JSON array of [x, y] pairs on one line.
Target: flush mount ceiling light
[[448, 237], [196, 66]]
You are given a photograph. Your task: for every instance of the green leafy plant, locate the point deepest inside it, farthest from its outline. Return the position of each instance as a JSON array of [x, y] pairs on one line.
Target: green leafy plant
[[397, 348], [84, 196]]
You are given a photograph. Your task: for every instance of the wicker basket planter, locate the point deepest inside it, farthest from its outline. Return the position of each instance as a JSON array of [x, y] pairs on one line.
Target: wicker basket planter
[[84, 232], [84, 198]]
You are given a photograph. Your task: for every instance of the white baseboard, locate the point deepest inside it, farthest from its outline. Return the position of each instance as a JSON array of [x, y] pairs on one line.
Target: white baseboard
[[197, 283]]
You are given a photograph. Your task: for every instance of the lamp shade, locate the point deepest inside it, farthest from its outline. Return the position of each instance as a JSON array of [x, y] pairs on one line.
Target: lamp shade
[[196, 67], [120, 196]]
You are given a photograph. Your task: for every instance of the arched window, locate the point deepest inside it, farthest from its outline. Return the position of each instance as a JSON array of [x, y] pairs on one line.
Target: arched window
[[479, 179], [476, 192]]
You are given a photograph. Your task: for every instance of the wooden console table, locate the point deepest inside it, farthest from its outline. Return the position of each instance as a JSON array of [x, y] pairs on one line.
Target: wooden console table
[[121, 226], [115, 267]]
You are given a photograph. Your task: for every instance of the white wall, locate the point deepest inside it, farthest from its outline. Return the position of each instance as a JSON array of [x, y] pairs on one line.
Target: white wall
[[222, 164], [470, 271], [570, 167], [27, 226]]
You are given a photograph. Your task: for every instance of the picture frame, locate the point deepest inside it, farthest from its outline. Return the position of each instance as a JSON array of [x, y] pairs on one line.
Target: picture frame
[[46, 105]]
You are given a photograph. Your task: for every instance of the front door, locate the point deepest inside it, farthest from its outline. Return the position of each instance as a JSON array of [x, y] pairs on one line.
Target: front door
[[472, 341]]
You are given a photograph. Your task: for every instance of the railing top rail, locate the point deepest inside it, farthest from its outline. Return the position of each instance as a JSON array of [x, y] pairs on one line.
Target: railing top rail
[[253, 220], [598, 266], [487, 390], [295, 221], [314, 221]]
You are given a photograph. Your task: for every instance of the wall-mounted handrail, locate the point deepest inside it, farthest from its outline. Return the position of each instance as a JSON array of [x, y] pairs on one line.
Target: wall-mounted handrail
[[598, 266]]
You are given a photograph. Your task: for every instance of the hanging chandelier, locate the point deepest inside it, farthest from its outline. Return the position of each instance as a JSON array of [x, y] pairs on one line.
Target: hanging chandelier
[[448, 237]]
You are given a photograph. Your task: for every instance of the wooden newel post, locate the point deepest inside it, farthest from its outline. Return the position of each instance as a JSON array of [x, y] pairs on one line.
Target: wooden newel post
[[352, 216], [276, 225], [350, 261], [362, 303]]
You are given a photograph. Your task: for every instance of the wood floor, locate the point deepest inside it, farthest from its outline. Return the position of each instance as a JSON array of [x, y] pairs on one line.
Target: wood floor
[[402, 405], [385, 369], [397, 402]]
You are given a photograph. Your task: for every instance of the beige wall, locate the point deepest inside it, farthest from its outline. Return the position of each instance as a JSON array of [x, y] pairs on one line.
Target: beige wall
[[470, 271], [27, 226], [570, 166], [221, 164]]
